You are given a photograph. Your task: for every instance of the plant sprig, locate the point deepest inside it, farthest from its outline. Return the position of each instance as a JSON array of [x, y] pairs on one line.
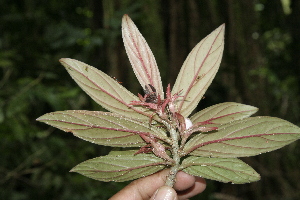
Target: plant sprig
[[157, 128]]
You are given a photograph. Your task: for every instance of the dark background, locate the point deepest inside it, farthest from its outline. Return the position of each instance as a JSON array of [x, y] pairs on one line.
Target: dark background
[[260, 67]]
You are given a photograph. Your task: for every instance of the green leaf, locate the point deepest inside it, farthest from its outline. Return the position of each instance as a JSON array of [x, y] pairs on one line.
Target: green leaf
[[120, 166], [103, 128], [104, 90], [220, 169], [223, 113], [198, 71], [247, 137], [140, 56]]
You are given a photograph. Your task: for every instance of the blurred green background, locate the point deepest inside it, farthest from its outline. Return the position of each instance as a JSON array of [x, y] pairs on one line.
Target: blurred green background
[[260, 67]]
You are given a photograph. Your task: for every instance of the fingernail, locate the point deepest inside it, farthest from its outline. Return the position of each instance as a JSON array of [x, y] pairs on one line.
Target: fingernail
[[165, 193]]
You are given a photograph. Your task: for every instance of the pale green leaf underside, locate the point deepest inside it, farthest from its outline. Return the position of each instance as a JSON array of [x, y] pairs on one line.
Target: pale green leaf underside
[[140, 56], [198, 71], [223, 113], [103, 89], [247, 137], [220, 169], [102, 128], [120, 167]]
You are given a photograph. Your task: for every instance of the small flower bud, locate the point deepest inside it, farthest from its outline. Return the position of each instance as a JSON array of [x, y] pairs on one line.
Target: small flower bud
[[188, 123]]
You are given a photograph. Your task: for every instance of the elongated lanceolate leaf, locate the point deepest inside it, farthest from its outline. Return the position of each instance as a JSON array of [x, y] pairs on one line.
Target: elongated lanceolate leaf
[[223, 113], [140, 56], [247, 137], [220, 169], [102, 128], [198, 71], [117, 167], [103, 89]]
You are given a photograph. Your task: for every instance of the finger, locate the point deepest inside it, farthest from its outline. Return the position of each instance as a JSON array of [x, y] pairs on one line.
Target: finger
[[142, 188], [165, 193], [198, 187], [184, 181]]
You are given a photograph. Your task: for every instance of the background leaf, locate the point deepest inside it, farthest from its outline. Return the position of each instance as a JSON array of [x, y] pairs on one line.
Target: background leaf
[[198, 70], [140, 56], [220, 169], [120, 166], [102, 128], [103, 89], [223, 113], [247, 137]]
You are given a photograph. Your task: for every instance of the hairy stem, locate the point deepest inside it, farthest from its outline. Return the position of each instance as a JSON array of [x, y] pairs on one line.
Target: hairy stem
[[171, 179]]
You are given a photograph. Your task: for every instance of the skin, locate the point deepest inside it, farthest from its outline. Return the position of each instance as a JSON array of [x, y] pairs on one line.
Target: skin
[[152, 187]]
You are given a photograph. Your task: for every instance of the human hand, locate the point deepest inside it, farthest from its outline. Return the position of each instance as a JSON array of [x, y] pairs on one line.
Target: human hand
[[152, 187]]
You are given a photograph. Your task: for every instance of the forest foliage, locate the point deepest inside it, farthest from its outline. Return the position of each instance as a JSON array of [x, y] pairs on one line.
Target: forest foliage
[[260, 67]]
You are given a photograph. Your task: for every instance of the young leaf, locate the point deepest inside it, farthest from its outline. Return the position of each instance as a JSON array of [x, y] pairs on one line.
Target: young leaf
[[220, 169], [103, 89], [198, 71], [140, 56], [120, 166], [102, 127], [247, 137], [223, 113]]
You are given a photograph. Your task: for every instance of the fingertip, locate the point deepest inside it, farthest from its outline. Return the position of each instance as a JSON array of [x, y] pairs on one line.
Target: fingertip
[[201, 184], [198, 187], [184, 181], [165, 193]]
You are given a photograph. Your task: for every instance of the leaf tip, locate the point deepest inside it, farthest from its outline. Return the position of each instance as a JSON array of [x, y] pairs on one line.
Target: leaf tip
[[63, 60], [125, 18], [73, 169], [255, 109], [221, 30], [66, 62], [40, 118], [222, 26]]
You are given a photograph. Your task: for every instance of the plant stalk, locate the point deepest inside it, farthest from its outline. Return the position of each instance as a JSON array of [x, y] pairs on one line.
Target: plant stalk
[[171, 178]]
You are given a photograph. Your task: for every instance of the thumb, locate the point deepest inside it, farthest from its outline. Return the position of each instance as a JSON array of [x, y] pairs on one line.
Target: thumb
[[165, 193]]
